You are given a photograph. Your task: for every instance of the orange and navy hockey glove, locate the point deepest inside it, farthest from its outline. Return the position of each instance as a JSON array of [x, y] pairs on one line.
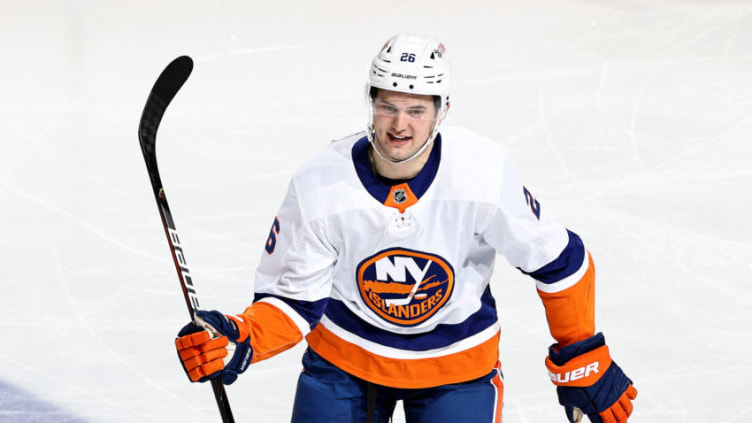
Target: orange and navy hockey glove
[[215, 345], [589, 382]]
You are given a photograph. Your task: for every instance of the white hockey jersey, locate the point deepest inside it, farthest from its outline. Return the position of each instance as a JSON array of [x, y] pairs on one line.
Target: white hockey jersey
[[391, 282]]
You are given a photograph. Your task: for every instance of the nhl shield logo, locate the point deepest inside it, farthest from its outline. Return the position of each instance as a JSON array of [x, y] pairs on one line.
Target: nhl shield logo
[[405, 287], [399, 196]]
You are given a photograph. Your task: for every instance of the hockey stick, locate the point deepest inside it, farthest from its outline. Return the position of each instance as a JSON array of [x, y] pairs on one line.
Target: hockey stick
[[169, 82]]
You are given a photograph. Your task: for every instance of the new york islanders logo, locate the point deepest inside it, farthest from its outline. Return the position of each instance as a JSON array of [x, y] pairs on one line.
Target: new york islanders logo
[[405, 287]]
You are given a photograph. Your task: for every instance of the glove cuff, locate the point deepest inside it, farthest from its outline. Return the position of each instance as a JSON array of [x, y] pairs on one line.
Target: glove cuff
[[234, 328], [242, 326], [560, 355], [581, 371]]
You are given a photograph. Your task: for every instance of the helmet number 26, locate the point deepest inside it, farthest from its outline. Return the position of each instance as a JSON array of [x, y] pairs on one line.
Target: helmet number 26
[[407, 57]]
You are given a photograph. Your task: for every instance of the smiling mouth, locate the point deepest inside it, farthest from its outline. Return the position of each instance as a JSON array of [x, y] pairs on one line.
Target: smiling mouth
[[399, 140]]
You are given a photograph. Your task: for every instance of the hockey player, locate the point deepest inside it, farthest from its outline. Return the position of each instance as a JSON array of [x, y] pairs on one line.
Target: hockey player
[[381, 257]]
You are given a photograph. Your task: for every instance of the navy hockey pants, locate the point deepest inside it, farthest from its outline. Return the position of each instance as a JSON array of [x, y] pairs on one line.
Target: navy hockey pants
[[327, 394]]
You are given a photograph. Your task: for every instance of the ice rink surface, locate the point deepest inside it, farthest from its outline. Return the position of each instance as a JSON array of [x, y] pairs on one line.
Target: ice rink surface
[[629, 119]]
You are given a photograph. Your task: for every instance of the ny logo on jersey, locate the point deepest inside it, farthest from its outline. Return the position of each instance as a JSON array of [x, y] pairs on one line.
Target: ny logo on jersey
[[405, 287]]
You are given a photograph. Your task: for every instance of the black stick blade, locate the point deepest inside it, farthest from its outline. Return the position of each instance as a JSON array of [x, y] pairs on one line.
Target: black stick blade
[[168, 84]]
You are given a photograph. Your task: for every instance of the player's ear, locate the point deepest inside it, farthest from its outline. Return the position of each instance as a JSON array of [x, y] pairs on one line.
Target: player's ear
[[445, 112]]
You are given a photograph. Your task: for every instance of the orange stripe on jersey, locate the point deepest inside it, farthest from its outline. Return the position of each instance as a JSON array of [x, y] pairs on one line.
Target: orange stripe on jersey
[[400, 197], [405, 373], [571, 312], [272, 331]]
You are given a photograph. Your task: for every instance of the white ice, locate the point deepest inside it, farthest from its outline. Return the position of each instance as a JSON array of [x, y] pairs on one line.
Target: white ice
[[630, 120]]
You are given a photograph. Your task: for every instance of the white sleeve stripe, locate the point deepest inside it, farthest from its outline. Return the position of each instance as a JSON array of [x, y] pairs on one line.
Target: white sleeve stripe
[[299, 321], [569, 281]]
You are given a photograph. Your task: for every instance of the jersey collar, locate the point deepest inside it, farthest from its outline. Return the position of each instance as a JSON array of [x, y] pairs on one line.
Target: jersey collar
[[399, 195]]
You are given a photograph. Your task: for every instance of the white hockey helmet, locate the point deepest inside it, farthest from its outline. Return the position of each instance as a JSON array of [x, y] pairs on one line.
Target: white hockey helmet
[[413, 64]]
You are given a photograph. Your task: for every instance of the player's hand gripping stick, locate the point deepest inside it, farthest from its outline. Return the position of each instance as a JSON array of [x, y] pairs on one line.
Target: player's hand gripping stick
[[216, 345]]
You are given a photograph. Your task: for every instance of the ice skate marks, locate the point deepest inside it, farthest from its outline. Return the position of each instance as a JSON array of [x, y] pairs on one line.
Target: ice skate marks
[[403, 286]]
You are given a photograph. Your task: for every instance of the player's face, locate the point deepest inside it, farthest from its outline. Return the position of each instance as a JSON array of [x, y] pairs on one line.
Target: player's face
[[402, 122]]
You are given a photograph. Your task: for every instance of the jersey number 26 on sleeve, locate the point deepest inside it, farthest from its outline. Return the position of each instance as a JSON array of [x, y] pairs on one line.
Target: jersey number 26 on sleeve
[[271, 242], [532, 202]]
